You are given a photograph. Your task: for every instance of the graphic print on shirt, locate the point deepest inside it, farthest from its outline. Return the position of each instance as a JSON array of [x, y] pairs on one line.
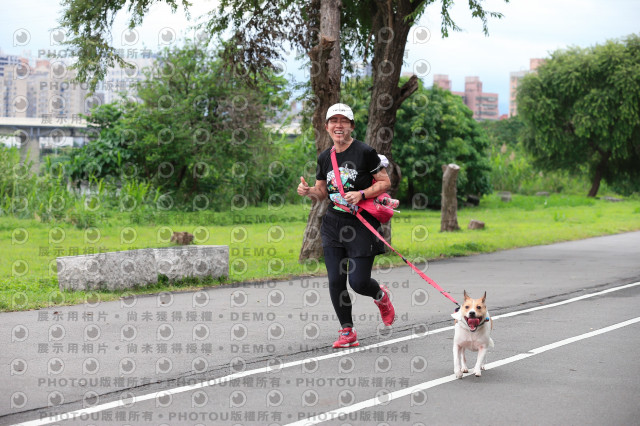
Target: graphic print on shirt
[[348, 178]]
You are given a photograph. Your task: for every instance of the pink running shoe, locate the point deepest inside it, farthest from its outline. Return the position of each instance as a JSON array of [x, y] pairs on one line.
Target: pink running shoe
[[347, 339], [387, 312]]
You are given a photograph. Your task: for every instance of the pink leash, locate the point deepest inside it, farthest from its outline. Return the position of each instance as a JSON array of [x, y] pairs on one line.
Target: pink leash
[[355, 211]]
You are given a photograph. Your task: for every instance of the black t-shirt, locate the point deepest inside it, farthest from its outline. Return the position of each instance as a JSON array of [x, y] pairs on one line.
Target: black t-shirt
[[357, 164]]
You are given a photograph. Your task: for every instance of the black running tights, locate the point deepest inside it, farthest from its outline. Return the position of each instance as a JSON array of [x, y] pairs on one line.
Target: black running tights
[[358, 270]]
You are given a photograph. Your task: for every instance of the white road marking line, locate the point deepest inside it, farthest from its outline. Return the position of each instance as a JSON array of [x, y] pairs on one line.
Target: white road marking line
[[344, 411], [564, 302], [122, 403]]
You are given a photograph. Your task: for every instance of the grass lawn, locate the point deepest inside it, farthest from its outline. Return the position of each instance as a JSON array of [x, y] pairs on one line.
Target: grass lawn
[[264, 242]]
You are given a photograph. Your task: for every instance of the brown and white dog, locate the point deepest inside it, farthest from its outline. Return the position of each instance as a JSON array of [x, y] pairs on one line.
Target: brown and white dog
[[472, 331]]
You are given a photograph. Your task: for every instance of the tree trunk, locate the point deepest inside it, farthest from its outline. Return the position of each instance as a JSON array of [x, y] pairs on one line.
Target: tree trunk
[[597, 178], [390, 30], [410, 189], [325, 83], [595, 186], [449, 213]]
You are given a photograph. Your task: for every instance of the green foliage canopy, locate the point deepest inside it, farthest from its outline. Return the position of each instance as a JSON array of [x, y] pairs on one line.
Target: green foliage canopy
[[198, 132], [260, 32], [107, 151], [582, 108]]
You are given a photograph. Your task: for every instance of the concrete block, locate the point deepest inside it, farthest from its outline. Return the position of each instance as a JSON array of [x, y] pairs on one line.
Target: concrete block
[[107, 271], [125, 269], [192, 261]]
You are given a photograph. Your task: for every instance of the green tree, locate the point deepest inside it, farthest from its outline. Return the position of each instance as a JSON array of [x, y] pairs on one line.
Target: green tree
[[197, 133], [199, 130], [504, 132], [582, 108], [107, 151]]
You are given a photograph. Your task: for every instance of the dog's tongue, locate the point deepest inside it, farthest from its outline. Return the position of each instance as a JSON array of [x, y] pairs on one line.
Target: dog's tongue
[[473, 323]]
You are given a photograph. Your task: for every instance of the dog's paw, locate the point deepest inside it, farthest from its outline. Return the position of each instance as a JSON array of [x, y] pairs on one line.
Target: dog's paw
[[465, 370], [458, 374], [477, 372]]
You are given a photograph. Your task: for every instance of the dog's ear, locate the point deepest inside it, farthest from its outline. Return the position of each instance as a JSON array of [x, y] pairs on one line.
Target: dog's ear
[[466, 296], [484, 297]]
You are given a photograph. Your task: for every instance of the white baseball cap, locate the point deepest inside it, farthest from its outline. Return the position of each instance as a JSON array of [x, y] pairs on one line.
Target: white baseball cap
[[339, 109]]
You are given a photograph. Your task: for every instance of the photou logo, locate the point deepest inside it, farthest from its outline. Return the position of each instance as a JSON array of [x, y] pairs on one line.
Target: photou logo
[[274, 398], [421, 35], [275, 298], [200, 332], [199, 399], [20, 104], [239, 298], [90, 366], [237, 399], [20, 333], [239, 332], [55, 366], [200, 299], [18, 367], [163, 399], [418, 398], [56, 333], [421, 68], [199, 365], [55, 398], [418, 364], [129, 37], [310, 398], [163, 365], [310, 366], [19, 236], [166, 36], [18, 400], [127, 366], [237, 365], [346, 397], [57, 36], [92, 332], [164, 332], [21, 37], [346, 365], [382, 364], [275, 331], [90, 399]]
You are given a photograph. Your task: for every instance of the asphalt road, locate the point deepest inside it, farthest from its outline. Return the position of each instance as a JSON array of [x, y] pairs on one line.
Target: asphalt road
[[565, 327]]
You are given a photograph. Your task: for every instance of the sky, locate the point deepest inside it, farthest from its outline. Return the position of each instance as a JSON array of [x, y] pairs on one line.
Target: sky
[[529, 29]]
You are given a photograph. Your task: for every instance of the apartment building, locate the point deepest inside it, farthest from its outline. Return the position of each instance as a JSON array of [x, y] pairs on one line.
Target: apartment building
[[44, 90], [483, 105], [514, 80], [442, 81], [10, 85]]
